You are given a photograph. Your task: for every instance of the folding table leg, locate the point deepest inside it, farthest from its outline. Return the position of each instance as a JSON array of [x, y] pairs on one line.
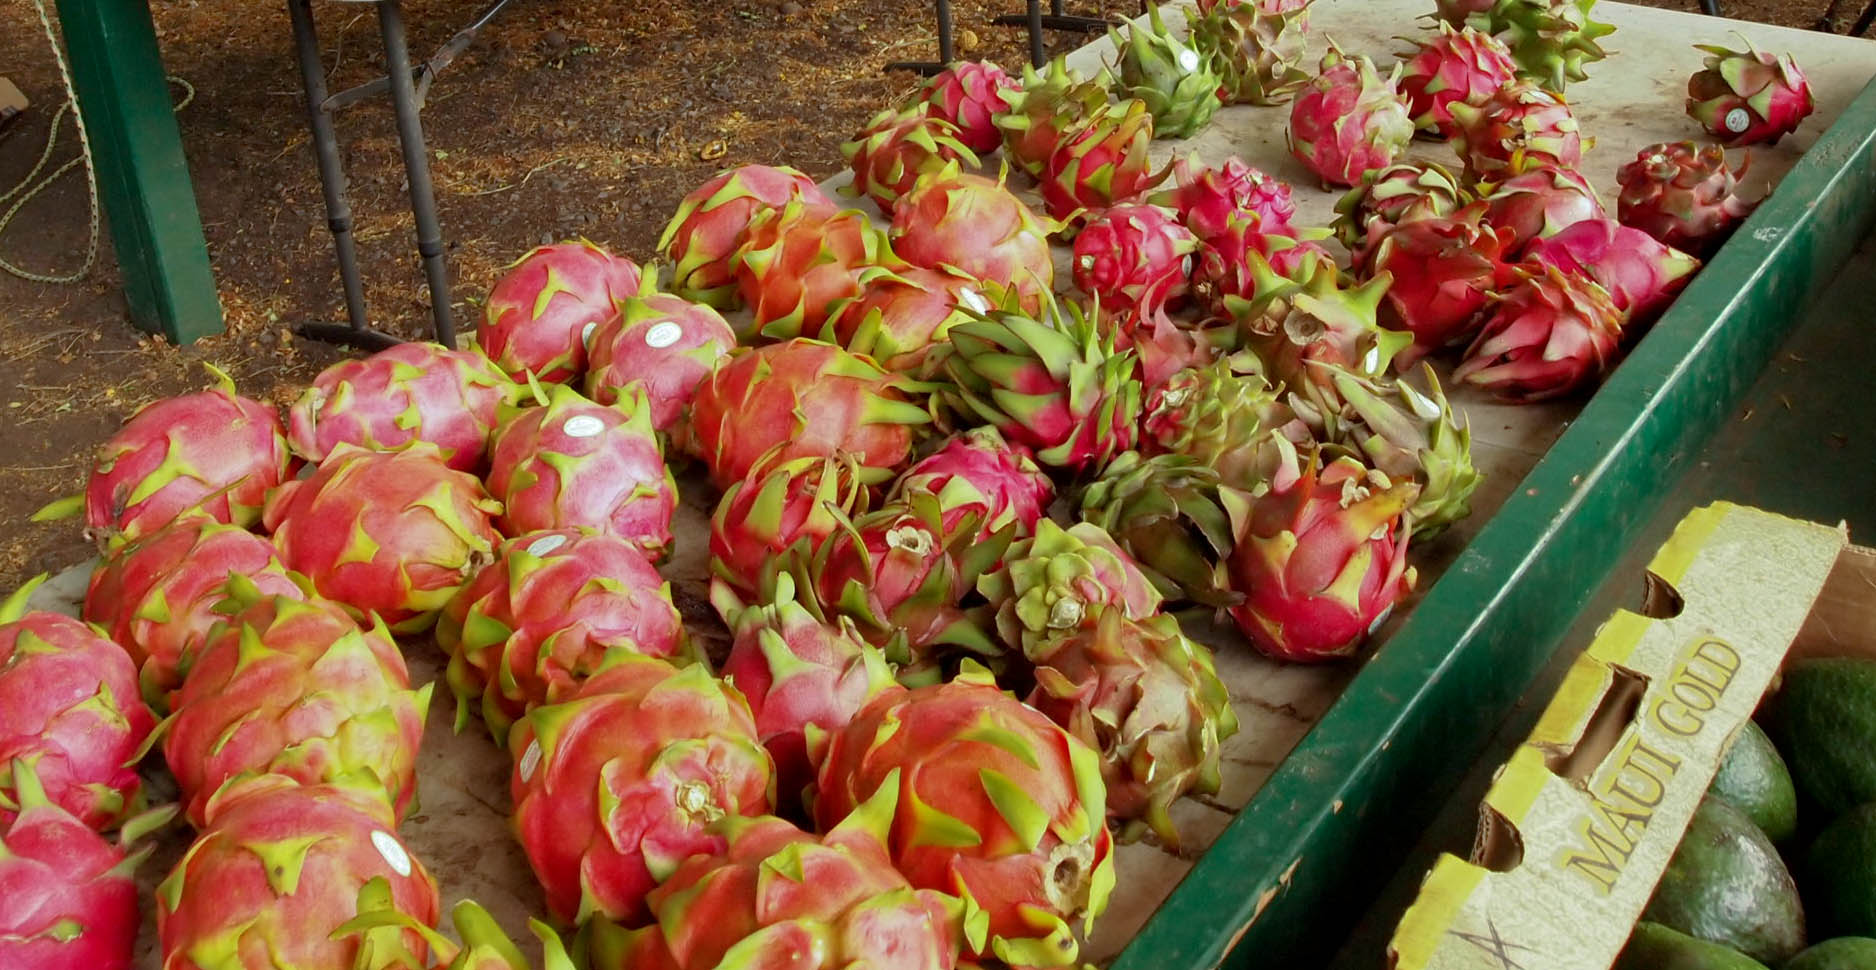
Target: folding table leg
[[946, 46], [1863, 22], [1056, 19], [417, 167]]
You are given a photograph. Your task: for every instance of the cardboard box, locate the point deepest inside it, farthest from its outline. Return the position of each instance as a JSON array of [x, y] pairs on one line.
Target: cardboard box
[[1581, 821], [13, 103]]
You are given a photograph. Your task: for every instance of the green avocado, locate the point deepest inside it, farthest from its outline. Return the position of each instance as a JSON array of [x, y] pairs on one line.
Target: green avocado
[[1753, 779], [1727, 885], [1842, 953], [1656, 947], [1840, 875], [1823, 720]]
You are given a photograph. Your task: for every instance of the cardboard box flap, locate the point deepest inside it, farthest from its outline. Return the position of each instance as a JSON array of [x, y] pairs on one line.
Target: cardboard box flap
[[1582, 819]]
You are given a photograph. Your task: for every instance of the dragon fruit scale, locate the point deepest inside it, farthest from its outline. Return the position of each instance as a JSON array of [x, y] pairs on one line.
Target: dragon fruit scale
[[997, 805], [665, 344], [1208, 199], [1748, 97], [576, 464], [1348, 120], [73, 715], [1165, 512], [1641, 274], [1443, 271], [1391, 196], [279, 871], [1177, 83], [1540, 203], [801, 266], [782, 511], [1463, 66], [1548, 336], [803, 398], [618, 784], [712, 224], [381, 927], [1044, 109], [979, 471], [391, 533], [410, 392], [1255, 46], [975, 226], [970, 95], [1322, 562], [897, 147], [291, 688], [541, 312], [1134, 258], [1060, 579], [1102, 162], [1410, 435], [211, 452], [1683, 195], [902, 315], [1516, 129], [535, 624]]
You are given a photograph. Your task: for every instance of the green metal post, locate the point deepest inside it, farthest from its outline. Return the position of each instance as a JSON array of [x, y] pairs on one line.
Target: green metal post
[[143, 177]]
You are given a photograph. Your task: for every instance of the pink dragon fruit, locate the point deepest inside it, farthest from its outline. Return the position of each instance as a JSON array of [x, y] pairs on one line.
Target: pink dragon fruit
[[212, 451], [902, 315], [1540, 203], [1225, 265], [617, 785], [156, 597], [574, 464], [665, 344], [1641, 275], [809, 397], [968, 757], [279, 871], [1748, 97], [1548, 336], [1060, 579], [530, 628], [1044, 109], [1348, 120], [712, 224], [978, 227], [803, 679], [1102, 162], [802, 265], [410, 392], [291, 688], [970, 95], [1390, 196], [786, 508], [978, 471], [73, 714], [1463, 66], [390, 533], [1207, 199], [1519, 128], [897, 147], [1134, 258], [1683, 195], [541, 312], [71, 898], [1443, 270], [1322, 562]]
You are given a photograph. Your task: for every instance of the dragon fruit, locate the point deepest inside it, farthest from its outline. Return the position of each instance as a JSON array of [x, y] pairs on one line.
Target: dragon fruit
[[1177, 83], [712, 224], [902, 315], [1164, 511], [897, 147], [1410, 435], [1641, 275], [802, 398], [1539, 204], [1228, 418], [156, 597], [290, 688], [1443, 270], [802, 265], [975, 226], [1548, 336], [1207, 199], [580, 465], [1255, 46], [1226, 272], [996, 804], [213, 451], [1748, 97], [1348, 121], [1517, 129], [1683, 195], [1060, 579], [1309, 318], [71, 897], [541, 312], [1102, 162], [1390, 196], [390, 533], [970, 95], [279, 871], [1320, 562], [784, 510], [617, 785], [1044, 109], [1134, 257], [1166, 348], [73, 715], [410, 392], [665, 344], [777, 896], [1051, 382], [1463, 66], [802, 678], [532, 626], [979, 471], [1149, 700], [1552, 40]]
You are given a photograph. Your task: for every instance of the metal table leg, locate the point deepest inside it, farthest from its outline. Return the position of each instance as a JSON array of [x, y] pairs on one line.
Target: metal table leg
[[1863, 22], [417, 167], [1056, 19], [946, 52]]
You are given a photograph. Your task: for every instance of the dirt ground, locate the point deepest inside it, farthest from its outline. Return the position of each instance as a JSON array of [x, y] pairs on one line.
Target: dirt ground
[[564, 119]]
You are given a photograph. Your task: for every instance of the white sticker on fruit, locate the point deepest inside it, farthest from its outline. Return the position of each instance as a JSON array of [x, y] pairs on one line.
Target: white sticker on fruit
[[973, 300], [1188, 59], [545, 545], [663, 335], [586, 334], [1738, 120], [530, 760], [583, 426], [394, 854]]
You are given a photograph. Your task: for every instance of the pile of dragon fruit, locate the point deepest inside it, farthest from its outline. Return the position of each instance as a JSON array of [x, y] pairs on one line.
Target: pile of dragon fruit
[[956, 512]]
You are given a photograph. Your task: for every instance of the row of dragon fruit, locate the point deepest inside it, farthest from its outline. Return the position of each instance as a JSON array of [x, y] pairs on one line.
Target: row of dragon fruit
[[955, 514]]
